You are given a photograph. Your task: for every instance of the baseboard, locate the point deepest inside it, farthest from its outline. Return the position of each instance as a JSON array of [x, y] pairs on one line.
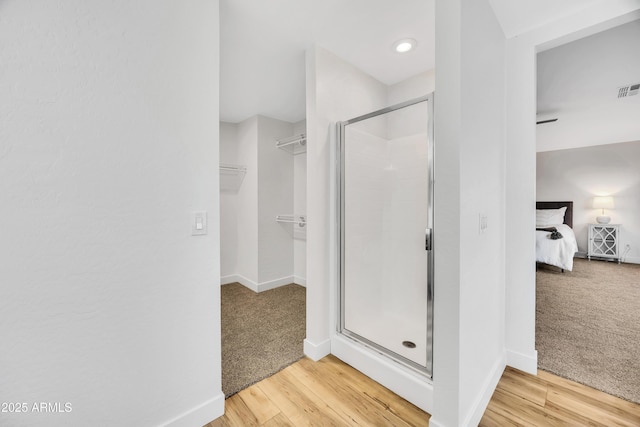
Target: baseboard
[[625, 260], [435, 423], [256, 287], [316, 352], [523, 362], [232, 278], [247, 283], [201, 414], [481, 403], [397, 378], [272, 284], [300, 281]]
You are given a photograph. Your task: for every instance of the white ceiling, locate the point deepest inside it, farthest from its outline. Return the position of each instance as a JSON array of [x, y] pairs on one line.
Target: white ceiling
[[578, 84], [263, 43], [519, 16]]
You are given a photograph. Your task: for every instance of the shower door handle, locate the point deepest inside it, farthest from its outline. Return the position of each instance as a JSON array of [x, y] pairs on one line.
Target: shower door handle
[[428, 239]]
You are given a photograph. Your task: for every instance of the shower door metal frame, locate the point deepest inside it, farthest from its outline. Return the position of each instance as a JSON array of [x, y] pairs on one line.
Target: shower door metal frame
[[340, 203]]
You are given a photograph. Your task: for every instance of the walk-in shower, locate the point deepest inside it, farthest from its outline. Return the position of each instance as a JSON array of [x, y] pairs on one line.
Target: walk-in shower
[[385, 232]]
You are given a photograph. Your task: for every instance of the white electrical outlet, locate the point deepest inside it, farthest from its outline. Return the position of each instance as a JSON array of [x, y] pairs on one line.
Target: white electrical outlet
[[199, 223]]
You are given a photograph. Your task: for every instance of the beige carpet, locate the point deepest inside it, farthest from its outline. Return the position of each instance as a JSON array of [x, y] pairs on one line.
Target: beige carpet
[[262, 333], [588, 325]]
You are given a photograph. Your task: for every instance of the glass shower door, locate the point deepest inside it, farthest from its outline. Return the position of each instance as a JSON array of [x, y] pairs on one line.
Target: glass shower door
[[385, 182]]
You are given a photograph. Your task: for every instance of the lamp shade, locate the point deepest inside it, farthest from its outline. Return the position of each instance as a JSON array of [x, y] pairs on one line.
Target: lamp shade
[[603, 202]]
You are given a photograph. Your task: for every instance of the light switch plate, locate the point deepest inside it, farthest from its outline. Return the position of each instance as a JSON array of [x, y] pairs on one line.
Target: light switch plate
[[199, 223], [483, 223]]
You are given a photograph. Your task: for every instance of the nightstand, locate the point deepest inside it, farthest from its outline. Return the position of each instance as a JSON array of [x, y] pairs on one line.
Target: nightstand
[[604, 241]]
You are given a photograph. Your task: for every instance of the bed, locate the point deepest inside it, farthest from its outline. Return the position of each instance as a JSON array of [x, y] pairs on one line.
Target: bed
[[558, 252]]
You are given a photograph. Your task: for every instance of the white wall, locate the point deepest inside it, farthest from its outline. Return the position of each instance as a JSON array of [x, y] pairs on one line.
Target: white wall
[[336, 91], [447, 125], [247, 204], [470, 144], [482, 153], [580, 174], [228, 204], [521, 168], [413, 87], [300, 207], [275, 197], [228, 145], [109, 141]]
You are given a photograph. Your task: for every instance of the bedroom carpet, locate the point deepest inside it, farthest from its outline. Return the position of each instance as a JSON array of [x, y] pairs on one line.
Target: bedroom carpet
[[262, 333], [588, 325]]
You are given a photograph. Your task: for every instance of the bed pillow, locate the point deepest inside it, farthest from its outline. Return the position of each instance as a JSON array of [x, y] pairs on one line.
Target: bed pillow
[[546, 217]]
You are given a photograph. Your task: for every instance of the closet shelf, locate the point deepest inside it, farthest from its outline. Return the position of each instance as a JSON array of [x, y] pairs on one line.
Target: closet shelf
[[300, 220], [231, 176], [294, 145]]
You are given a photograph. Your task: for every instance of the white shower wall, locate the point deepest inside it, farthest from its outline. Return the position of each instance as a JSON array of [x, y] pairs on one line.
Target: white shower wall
[[386, 197]]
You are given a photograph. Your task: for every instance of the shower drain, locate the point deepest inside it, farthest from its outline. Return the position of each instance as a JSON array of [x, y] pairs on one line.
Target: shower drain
[[409, 344]]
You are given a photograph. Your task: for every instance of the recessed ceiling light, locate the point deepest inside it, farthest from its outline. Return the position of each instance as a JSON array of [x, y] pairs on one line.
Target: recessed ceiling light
[[404, 45]]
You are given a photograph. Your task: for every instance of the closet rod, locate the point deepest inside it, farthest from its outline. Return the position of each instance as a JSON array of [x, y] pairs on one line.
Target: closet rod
[[233, 168], [301, 139], [301, 220]]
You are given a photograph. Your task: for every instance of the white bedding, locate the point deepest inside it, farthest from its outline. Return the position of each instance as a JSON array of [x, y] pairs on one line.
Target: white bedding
[[557, 252]]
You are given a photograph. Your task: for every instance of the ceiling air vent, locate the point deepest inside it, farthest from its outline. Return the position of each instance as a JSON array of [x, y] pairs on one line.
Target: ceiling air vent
[[628, 90]]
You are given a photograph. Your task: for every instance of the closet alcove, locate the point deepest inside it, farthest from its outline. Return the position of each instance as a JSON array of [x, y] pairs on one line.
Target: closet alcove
[[263, 202]]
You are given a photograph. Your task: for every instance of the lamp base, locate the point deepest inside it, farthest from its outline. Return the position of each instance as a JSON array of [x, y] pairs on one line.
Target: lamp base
[[603, 219]]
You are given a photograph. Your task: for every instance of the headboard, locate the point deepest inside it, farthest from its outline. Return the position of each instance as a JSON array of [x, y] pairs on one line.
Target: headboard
[[568, 215]]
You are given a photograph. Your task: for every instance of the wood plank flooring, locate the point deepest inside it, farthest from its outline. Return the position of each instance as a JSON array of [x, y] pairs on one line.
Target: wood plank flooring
[[324, 393], [548, 400], [330, 392]]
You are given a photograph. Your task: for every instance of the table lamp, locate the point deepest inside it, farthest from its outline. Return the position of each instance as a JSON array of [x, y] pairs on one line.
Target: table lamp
[[603, 203]]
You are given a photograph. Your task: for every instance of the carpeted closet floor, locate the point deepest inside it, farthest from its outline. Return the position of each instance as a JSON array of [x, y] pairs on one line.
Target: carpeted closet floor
[[262, 333], [588, 325]]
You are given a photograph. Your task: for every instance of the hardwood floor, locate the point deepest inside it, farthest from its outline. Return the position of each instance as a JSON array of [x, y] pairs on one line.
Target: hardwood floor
[[548, 400], [329, 392]]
